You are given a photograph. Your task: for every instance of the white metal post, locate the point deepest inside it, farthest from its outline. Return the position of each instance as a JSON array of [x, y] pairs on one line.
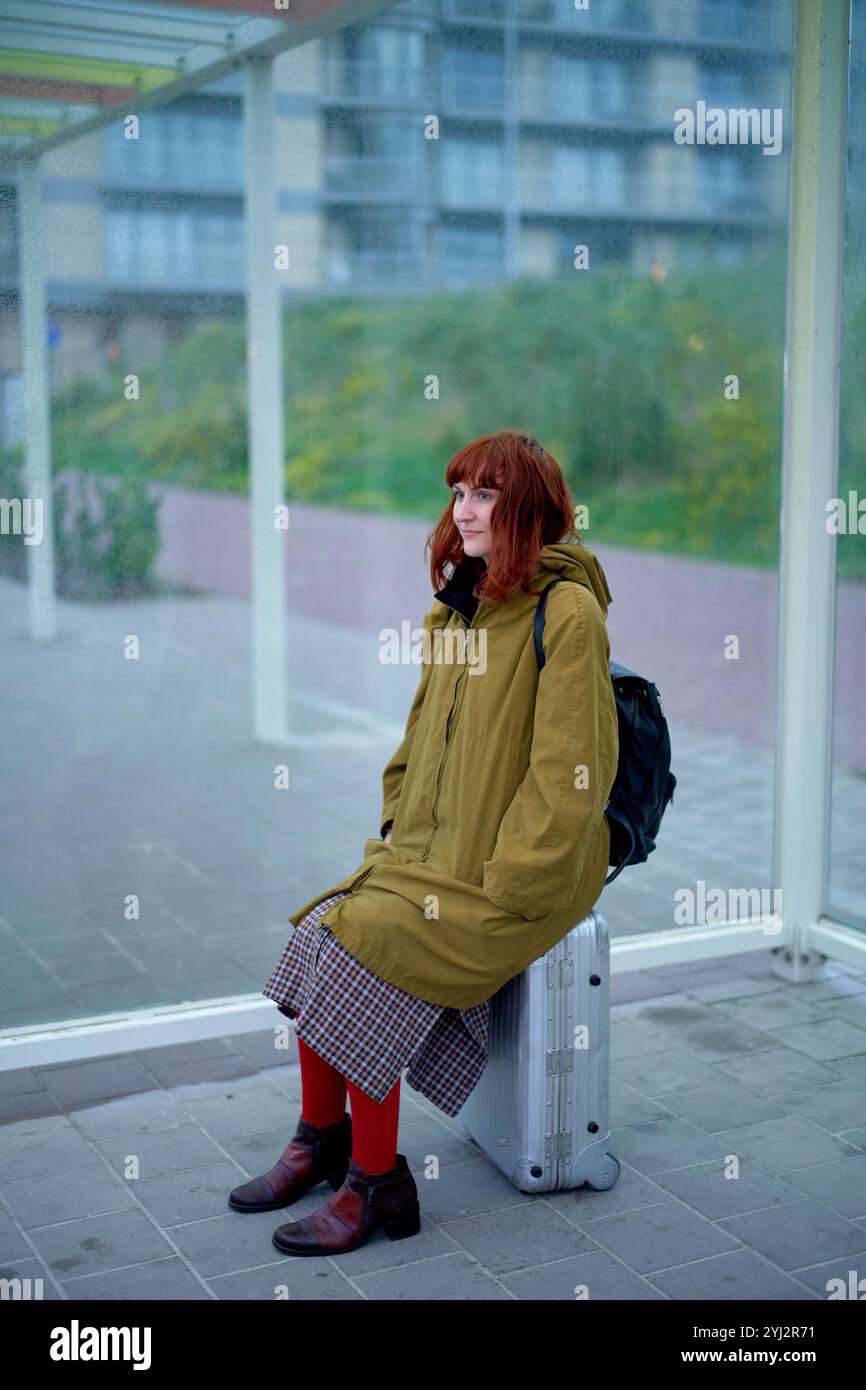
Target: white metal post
[[810, 464], [265, 397], [37, 397]]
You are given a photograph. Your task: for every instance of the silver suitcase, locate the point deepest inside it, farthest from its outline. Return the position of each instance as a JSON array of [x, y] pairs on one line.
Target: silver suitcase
[[540, 1109]]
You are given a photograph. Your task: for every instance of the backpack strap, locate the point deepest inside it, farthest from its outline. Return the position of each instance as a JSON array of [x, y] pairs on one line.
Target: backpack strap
[[538, 625]]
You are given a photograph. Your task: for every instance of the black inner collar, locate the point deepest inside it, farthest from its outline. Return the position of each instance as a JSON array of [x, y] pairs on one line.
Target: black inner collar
[[457, 590]]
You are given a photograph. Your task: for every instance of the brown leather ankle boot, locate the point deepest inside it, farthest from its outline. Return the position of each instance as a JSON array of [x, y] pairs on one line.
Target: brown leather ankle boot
[[366, 1203], [311, 1156]]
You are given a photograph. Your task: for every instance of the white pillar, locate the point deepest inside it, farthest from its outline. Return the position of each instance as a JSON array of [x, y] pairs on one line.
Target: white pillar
[[37, 397], [810, 460], [265, 406]]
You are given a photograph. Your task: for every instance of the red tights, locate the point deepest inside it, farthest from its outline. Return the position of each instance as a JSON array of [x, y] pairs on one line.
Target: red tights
[[374, 1123]]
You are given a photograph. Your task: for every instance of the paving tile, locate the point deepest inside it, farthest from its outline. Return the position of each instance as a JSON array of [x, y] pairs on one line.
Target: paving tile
[[782, 1146], [837, 1105], [466, 1189], [242, 1111], [769, 1011], [262, 1049], [290, 1281], [628, 1106], [32, 1154], [188, 1196], [667, 1071], [735, 1276], [36, 1284], [201, 1076], [99, 1243], [797, 1234], [656, 1237], [724, 1104], [824, 1041], [837, 1279], [631, 1191], [521, 1236], [719, 1189], [13, 1246], [423, 1139], [192, 1051], [19, 1081], [719, 1041], [658, 1145], [165, 1279], [30, 1110], [840, 1185], [451, 1278], [596, 1276], [162, 1151], [103, 1078], [64, 1196], [778, 1070], [232, 1243], [130, 1115]]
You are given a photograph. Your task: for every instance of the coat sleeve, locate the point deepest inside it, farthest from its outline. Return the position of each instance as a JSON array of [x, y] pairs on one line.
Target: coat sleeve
[[544, 836], [392, 777]]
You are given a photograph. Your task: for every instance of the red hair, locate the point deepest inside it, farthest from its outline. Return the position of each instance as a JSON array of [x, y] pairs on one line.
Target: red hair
[[534, 508]]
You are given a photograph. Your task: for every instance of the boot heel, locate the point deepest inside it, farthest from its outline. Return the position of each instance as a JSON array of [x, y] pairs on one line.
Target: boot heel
[[408, 1223]]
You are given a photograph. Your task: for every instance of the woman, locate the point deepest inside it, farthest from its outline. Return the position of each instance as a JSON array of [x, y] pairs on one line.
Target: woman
[[494, 844]]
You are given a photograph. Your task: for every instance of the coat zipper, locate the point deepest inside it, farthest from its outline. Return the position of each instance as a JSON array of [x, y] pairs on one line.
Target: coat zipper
[[457, 689]]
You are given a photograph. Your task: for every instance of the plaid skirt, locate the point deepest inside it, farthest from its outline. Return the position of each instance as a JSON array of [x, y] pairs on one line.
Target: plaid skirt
[[368, 1028]]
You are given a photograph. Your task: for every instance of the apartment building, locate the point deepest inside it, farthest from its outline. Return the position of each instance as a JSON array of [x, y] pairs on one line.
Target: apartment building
[[446, 143]]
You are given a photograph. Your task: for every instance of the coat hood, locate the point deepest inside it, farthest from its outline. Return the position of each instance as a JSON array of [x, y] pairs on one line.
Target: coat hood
[[575, 561]]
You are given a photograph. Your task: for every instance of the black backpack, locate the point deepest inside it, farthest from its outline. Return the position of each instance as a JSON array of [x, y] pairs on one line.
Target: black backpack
[[644, 783]]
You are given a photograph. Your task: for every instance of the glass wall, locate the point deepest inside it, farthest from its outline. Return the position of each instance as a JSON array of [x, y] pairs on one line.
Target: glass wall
[[846, 517], [151, 849]]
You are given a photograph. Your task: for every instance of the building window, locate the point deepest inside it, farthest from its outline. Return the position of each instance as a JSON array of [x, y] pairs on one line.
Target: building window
[[174, 249], [472, 173]]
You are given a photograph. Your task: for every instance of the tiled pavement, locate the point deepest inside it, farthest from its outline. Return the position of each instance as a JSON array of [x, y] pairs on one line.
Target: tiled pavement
[[114, 1173]]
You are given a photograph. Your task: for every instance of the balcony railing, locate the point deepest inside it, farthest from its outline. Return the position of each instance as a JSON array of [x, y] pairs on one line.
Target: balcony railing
[[721, 21], [363, 269], [640, 195], [363, 177], [471, 270], [368, 79], [176, 165], [473, 93], [632, 105], [467, 188], [473, 9]]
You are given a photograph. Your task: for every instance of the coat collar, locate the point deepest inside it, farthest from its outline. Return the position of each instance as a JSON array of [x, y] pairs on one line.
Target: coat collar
[[457, 592]]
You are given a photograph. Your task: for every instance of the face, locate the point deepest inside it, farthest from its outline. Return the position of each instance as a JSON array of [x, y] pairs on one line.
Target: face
[[472, 508]]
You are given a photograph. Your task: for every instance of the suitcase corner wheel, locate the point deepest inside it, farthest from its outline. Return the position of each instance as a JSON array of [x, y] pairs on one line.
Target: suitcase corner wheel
[[540, 1107]]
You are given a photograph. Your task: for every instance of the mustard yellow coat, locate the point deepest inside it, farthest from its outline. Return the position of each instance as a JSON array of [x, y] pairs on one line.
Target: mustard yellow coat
[[497, 793]]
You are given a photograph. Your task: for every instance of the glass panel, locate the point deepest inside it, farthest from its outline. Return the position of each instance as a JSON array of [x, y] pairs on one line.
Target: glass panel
[[151, 852], [846, 515]]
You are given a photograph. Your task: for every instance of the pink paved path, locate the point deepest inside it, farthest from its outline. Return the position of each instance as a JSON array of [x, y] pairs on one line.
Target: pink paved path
[[669, 617]]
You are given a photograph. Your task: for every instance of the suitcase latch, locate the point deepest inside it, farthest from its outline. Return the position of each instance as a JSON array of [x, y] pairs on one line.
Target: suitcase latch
[[560, 1060], [560, 973], [557, 1145]]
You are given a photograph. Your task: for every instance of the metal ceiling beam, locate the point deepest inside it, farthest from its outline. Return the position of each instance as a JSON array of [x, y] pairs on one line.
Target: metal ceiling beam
[[194, 67]]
